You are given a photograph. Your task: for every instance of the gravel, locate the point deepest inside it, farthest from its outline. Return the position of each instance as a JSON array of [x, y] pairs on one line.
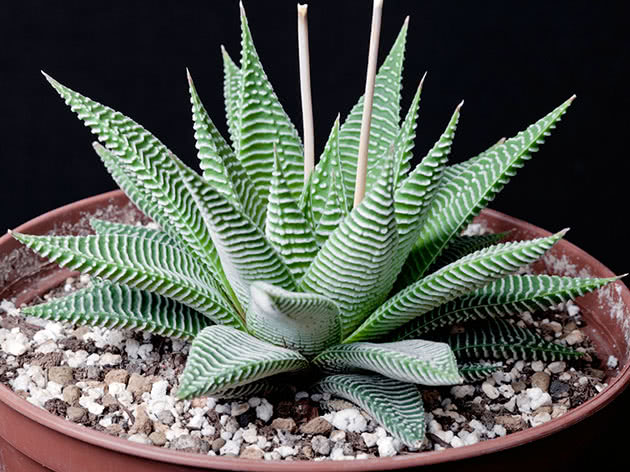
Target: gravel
[[123, 383]]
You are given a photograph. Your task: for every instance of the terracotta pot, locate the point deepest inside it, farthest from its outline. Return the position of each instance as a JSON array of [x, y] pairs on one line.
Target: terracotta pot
[[32, 439]]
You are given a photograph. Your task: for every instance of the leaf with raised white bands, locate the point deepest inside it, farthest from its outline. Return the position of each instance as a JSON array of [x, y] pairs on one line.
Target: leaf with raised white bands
[[286, 227], [140, 263], [460, 200], [305, 322], [354, 267], [385, 118], [221, 357], [507, 296], [151, 167], [111, 227], [231, 94], [499, 339], [118, 306], [221, 168], [332, 214], [263, 123], [246, 255], [467, 274], [415, 361], [397, 406]]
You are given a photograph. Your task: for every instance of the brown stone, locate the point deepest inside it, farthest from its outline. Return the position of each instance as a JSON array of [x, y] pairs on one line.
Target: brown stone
[[518, 386], [138, 385], [512, 423], [142, 423], [157, 438], [338, 404], [541, 380], [108, 401], [217, 444], [284, 424], [71, 394], [252, 452], [317, 425], [61, 374], [114, 429], [117, 375], [76, 413]]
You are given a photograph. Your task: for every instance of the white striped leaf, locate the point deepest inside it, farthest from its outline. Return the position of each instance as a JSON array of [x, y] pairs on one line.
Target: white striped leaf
[[221, 168], [305, 322], [460, 277], [415, 194], [222, 357], [259, 388], [231, 94], [138, 195], [246, 255], [385, 119], [457, 248], [286, 228], [415, 361], [332, 214], [459, 201], [329, 164], [110, 227], [263, 123], [454, 170], [150, 165], [510, 295], [354, 267], [140, 263], [397, 406], [474, 372], [305, 202], [499, 339], [118, 306]]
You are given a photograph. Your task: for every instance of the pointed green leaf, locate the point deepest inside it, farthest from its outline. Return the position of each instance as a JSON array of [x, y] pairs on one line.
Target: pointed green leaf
[[354, 267], [305, 203], [140, 263], [459, 201], [458, 278], [118, 306], [397, 406], [305, 322], [472, 372], [150, 165], [263, 123], [246, 255], [231, 94], [222, 357], [332, 214], [329, 164], [259, 388], [507, 296], [385, 118], [499, 339], [286, 228], [415, 361], [221, 167], [109, 227], [415, 194]]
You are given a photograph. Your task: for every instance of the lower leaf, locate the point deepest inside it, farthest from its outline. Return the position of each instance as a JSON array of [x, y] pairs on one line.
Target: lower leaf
[[396, 405]]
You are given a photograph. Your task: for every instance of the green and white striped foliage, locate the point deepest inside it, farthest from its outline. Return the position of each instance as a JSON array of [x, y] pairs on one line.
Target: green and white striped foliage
[[500, 339], [119, 306], [222, 357], [355, 266], [415, 361], [474, 372], [396, 405], [460, 200], [504, 297], [263, 124], [470, 272], [305, 322], [141, 263], [272, 275]]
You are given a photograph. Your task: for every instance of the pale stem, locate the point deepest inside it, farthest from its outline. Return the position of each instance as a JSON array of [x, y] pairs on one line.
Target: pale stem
[[305, 89], [368, 99]]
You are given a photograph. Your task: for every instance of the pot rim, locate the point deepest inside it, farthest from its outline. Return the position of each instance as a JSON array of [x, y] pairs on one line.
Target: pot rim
[[615, 387]]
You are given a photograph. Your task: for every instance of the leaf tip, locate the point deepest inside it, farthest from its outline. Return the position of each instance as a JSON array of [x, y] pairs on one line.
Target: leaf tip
[[406, 23], [242, 9], [573, 97]]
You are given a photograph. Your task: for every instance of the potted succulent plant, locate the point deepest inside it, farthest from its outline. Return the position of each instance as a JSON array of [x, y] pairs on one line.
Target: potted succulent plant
[[345, 273]]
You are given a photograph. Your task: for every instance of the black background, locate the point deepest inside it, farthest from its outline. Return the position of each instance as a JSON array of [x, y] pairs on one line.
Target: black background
[[511, 61]]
